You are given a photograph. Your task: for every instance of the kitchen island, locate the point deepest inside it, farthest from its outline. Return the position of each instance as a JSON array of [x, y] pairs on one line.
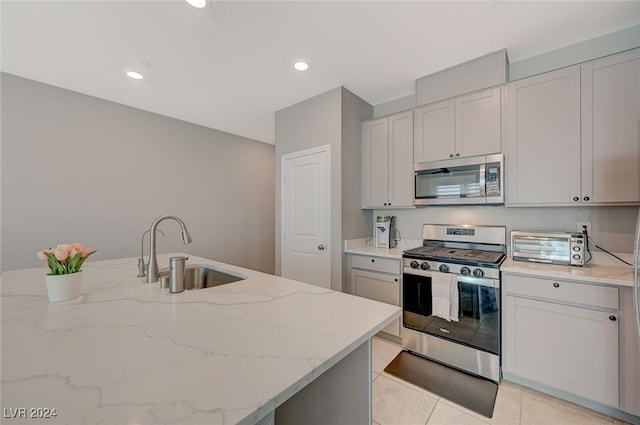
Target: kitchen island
[[261, 350]]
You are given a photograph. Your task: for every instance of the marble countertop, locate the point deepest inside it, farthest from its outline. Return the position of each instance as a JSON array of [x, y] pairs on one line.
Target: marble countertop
[[129, 352], [617, 275], [363, 247]]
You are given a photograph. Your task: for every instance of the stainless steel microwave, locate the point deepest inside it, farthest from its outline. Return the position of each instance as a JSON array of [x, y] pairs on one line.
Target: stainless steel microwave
[[549, 247], [472, 180]]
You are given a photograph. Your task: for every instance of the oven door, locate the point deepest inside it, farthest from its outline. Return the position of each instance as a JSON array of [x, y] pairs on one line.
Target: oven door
[[479, 313]]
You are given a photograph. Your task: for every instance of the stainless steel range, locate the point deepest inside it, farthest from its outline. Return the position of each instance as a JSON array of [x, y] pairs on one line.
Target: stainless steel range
[[451, 297]]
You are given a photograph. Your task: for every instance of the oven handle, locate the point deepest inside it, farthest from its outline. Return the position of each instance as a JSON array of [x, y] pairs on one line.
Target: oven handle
[[479, 281]]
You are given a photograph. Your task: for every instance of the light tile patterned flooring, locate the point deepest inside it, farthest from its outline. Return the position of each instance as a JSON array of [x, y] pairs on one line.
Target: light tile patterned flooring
[[396, 402]]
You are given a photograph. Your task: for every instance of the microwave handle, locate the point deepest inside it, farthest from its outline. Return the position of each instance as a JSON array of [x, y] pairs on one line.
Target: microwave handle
[[483, 180]]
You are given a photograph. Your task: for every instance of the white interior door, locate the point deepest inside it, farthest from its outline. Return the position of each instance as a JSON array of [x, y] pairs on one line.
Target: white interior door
[[305, 216]]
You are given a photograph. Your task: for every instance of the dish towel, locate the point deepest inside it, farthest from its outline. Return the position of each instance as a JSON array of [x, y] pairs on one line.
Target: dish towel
[[445, 296]]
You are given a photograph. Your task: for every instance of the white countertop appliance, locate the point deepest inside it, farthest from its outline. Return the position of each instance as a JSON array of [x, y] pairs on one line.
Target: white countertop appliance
[[458, 324], [565, 248], [385, 231]]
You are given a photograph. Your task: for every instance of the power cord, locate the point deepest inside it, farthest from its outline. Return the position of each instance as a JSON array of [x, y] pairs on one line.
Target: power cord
[[588, 238]]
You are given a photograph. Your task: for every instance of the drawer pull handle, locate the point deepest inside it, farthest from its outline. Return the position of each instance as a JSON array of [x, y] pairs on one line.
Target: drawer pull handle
[[613, 318], [443, 330], [395, 280], [373, 260], [556, 285]]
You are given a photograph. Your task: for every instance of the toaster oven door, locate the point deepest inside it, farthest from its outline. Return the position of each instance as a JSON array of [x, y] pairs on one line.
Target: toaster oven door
[[552, 250]]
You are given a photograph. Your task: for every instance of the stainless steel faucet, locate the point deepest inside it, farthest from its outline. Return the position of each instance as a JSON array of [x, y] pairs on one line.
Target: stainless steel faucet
[[142, 268], [152, 274]]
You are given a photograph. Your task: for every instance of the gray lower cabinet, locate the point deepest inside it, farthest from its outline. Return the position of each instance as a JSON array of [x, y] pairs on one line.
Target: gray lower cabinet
[[378, 279], [629, 355], [563, 336]]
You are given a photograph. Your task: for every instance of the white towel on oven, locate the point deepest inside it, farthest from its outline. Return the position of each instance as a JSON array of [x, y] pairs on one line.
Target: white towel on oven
[[444, 296]]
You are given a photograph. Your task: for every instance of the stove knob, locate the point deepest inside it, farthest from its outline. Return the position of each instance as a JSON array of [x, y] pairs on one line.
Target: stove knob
[[425, 266], [478, 273], [443, 268], [414, 264], [465, 271]]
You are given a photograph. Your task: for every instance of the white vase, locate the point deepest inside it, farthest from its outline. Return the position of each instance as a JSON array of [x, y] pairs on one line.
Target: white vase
[[63, 287]]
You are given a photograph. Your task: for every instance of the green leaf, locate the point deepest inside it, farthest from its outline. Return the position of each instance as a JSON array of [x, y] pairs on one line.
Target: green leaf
[[75, 263], [54, 265]]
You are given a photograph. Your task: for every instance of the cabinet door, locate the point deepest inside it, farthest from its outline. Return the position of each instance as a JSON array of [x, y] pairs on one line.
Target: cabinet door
[[543, 139], [610, 125], [381, 287], [434, 132], [375, 158], [479, 123], [401, 191], [568, 348]]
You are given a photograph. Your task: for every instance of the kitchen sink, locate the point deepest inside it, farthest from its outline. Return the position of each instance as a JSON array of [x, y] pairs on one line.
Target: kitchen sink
[[200, 276]]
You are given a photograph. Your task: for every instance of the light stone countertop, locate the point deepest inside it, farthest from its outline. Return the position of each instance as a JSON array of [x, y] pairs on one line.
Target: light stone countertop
[[131, 353], [364, 246], [607, 274]]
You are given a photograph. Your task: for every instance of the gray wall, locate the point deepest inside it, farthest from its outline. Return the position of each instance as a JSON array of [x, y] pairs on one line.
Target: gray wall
[[310, 123], [356, 222], [331, 118], [607, 44], [78, 168]]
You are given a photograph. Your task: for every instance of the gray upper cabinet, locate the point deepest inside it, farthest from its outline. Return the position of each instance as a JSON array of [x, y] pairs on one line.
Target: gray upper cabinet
[[572, 135], [542, 149], [610, 125], [465, 126], [387, 155]]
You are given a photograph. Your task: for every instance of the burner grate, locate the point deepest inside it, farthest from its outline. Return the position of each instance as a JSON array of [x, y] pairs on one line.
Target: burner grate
[[472, 256]]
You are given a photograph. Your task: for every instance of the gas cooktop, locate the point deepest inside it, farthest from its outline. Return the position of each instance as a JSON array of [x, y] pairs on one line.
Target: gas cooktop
[[458, 255]]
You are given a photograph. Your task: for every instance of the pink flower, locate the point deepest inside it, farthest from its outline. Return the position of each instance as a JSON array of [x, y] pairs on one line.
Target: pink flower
[[62, 251], [78, 247], [67, 258]]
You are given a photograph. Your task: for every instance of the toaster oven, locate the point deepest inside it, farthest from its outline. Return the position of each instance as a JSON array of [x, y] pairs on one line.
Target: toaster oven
[[549, 247]]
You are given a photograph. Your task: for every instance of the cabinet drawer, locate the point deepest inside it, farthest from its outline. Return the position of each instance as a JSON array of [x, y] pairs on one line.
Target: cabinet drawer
[[379, 264], [562, 291]]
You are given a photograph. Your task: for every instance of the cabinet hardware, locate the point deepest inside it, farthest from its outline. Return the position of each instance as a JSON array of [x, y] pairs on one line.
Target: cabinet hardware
[[450, 155], [395, 280], [613, 318], [321, 247], [556, 285], [443, 330], [586, 198], [457, 154], [575, 198], [373, 260]]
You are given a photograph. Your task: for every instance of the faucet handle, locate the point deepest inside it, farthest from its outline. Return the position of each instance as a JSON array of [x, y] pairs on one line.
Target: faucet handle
[[142, 269]]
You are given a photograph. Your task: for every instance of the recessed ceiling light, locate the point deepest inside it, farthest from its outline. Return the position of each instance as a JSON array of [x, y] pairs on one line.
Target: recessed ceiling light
[[301, 65], [197, 3], [135, 75]]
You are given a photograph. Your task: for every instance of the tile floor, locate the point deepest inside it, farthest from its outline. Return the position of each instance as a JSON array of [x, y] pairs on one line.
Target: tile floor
[[396, 402]]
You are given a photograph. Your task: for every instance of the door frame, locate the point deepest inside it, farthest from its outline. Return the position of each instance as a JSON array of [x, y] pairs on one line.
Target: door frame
[[283, 159]]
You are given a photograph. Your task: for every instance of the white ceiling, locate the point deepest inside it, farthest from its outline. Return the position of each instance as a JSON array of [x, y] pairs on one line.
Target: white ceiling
[[228, 66]]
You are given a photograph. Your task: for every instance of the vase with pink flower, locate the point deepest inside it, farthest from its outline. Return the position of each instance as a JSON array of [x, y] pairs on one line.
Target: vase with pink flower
[[65, 261]]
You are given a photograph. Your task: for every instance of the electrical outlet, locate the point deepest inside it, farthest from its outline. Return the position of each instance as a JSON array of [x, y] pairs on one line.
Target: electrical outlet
[[584, 223]]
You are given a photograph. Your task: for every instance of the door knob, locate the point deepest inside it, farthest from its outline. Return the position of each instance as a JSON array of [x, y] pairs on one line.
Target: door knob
[[321, 247]]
